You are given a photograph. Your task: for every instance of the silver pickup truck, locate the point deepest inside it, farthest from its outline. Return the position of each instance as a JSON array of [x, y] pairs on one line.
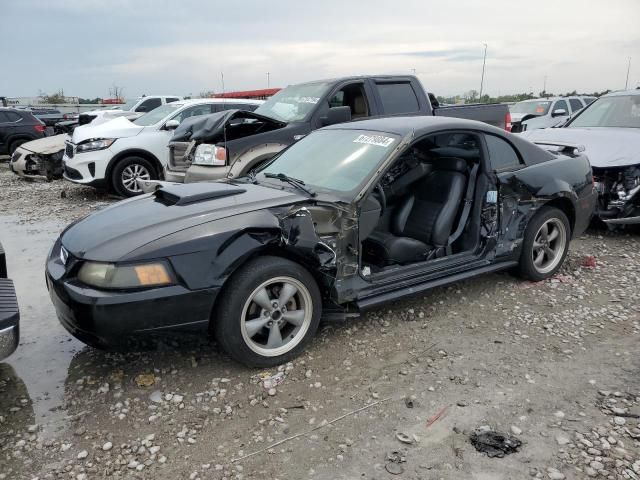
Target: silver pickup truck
[[231, 143]]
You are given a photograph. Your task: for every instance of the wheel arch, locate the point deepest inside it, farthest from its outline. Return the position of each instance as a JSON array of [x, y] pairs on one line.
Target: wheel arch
[[133, 152], [566, 206]]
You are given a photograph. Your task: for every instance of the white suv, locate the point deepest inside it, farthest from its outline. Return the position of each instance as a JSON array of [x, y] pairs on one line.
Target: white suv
[[117, 153], [132, 109]]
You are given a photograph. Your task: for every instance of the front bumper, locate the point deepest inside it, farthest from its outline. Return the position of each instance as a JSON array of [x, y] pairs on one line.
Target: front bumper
[[110, 317], [87, 168], [202, 173], [30, 165]]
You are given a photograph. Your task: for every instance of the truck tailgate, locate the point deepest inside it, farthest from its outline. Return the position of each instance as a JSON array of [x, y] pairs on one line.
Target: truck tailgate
[[492, 113]]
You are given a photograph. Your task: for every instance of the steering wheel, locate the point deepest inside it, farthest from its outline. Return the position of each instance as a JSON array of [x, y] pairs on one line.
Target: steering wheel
[[378, 191]]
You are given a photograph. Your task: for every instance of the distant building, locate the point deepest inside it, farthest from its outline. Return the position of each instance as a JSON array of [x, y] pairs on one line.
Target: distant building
[[251, 94], [26, 101]]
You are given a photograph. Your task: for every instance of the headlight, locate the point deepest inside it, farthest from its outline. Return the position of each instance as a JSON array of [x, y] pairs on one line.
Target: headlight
[[97, 144], [210, 155], [109, 275]]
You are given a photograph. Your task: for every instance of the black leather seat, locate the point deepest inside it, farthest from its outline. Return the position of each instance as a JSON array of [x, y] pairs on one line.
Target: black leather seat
[[425, 218]]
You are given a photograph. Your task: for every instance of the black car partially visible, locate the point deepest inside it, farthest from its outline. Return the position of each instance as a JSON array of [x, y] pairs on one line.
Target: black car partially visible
[[9, 313], [18, 127]]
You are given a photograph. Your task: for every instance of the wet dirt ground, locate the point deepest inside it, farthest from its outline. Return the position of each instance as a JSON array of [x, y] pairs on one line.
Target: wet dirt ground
[[394, 394]]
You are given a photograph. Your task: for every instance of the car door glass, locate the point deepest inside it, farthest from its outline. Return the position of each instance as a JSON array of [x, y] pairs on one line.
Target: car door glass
[[561, 105], [193, 112], [575, 104], [501, 154], [13, 117], [149, 105], [354, 97], [398, 97], [3, 117]]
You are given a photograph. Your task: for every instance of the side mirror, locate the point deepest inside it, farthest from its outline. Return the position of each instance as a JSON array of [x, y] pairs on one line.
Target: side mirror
[[171, 124], [336, 115], [559, 112]]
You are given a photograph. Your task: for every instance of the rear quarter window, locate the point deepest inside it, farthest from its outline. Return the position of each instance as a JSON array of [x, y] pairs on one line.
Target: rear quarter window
[[575, 104], [398, 98], [501, 154]]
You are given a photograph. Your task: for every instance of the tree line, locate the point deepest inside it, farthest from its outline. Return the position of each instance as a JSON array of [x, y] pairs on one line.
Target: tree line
[[472, 96]]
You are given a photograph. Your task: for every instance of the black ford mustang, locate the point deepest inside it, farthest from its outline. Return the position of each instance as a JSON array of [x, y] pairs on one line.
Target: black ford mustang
[[350, 217]]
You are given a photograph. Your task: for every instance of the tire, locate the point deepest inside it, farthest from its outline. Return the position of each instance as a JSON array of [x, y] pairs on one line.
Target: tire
[[126, 171], [249, 343], [15, 144], [539, 242]]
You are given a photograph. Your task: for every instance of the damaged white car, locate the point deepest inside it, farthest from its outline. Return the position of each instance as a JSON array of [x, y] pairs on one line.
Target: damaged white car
[[40, 158], [609, 129]]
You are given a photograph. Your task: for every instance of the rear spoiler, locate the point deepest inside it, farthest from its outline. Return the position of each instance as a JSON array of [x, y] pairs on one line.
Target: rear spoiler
[[564, 146]]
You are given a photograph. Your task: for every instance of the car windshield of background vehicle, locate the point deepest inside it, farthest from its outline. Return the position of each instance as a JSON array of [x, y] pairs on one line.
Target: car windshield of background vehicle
[[530, 108], [293, 103], [157, 114], [338, 160], [618, 111], [128, 106]]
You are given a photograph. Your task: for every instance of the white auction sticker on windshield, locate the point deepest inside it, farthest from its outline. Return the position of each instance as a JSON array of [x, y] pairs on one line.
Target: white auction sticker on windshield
[[379, 140], [312, 100]]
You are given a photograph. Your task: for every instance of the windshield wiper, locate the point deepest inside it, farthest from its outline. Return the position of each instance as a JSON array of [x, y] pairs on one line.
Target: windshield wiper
[[292, 181]]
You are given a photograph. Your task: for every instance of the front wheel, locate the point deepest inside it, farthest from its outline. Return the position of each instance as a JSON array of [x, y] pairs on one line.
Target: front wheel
[[268, 312], [125, 175], [546, 243]]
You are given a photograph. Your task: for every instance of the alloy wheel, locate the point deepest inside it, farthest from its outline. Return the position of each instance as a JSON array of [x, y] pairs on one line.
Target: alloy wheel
[[548, 245], [131, 174], [276, 316]]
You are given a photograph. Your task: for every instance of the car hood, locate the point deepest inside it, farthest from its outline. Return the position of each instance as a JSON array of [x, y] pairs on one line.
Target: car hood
[[114, 233], [117, 128], [605, 147], [46, 145], [206, 128]]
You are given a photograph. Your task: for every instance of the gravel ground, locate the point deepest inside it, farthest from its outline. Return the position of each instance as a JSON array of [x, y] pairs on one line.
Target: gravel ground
[[394, 394]]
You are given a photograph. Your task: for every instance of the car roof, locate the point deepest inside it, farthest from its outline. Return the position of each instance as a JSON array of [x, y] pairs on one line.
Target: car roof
[[621, 93], [221, 100], [419, 124]]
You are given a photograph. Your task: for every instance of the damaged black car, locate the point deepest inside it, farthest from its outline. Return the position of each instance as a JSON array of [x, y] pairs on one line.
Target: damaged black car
[[348, 218]]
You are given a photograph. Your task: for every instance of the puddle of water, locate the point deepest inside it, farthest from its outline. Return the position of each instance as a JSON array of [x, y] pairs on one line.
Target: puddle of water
[[46, 349]]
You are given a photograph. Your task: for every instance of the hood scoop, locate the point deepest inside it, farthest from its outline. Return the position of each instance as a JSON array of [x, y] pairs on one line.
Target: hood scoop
[[189, 193]]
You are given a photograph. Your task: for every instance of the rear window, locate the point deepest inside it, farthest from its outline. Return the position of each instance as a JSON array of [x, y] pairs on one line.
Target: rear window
[[501, 154], [398, 98]]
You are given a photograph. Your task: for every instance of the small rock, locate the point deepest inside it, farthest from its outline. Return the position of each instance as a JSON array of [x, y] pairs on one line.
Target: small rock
[[272, 392], [515, 430], [107, 446], [83, 454]]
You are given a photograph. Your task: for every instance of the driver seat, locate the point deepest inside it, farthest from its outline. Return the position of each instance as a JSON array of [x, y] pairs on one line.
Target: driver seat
[[424, 219]]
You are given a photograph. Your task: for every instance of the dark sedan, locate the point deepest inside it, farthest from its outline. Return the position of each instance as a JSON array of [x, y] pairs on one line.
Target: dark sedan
[[348, 218]]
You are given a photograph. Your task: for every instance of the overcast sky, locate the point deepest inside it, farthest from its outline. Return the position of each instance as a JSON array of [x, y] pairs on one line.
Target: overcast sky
[[181, 46]]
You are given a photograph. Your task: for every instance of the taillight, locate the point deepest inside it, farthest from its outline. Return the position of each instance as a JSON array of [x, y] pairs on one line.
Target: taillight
[[39, 128], [507, 122]]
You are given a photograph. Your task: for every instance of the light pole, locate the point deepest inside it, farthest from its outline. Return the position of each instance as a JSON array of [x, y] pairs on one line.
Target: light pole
[[268, 80], [484, 61], [626, 83], [544, 85]]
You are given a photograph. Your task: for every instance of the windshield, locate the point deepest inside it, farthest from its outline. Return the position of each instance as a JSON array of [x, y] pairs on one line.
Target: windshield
[[157, 114], [334, 159], [530, 108], [293, 103], [129, 105], [618, 111]]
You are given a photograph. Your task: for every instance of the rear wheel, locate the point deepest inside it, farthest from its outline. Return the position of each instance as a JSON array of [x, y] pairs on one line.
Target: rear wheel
[[546, 243], [268, 312], [125, 175]]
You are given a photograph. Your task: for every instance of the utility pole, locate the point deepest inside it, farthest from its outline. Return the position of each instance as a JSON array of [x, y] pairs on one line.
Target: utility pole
[[544, 85], [413, 70], [484, 61], [222, 77], [268, 80], [626, 83]]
